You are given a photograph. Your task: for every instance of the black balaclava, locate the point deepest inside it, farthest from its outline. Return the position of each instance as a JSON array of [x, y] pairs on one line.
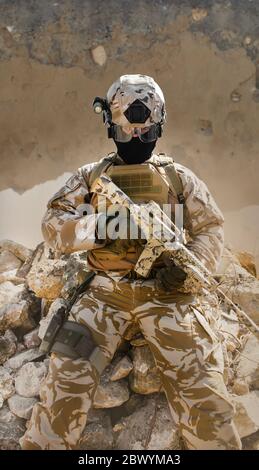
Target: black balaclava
[[135, 151]]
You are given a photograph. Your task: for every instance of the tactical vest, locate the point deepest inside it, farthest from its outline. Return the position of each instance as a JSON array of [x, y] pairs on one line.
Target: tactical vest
[[159, 161]]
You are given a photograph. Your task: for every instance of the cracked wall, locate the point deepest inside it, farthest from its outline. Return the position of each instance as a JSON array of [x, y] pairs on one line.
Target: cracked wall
[[56, 56]]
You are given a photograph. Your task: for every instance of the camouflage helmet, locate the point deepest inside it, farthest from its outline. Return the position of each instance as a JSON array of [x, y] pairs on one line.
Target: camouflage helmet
[[146, 96]]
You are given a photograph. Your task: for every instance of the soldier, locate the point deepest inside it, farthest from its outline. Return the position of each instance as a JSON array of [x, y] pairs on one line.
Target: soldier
[[178, 327]]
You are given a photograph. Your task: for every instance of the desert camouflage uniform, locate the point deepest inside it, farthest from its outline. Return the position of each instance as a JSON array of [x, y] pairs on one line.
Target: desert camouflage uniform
[[179, 328]]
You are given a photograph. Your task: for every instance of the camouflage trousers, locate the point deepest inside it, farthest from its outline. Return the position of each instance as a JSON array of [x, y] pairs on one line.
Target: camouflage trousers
[[188, 353]]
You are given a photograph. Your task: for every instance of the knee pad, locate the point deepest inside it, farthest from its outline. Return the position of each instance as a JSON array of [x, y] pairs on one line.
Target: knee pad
[[76, 341]]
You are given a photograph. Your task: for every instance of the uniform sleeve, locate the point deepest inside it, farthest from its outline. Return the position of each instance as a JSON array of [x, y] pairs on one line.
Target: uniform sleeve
[[68, 224], [204, 222]]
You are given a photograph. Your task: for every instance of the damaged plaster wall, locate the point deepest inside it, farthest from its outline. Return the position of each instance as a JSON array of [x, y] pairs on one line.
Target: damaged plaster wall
[[56, 56]]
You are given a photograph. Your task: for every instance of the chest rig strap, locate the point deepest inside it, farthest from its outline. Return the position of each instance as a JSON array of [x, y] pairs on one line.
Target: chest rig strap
[[174, 180]]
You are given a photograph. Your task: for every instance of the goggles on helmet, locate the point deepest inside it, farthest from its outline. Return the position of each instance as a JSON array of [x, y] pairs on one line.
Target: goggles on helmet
[[145, 134]]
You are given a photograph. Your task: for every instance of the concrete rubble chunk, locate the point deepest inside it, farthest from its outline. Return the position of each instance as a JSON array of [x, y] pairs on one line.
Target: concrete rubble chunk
[[21, 311], [26, 266], [45, 277], [11, 276], [6, 385], [8, 261], [31, 339], [22, 358], [8, 292], [110, 394], [128, 412], [98, 434], [12, 429], [247, 413], [144, 377], [6, 416], [21, 406], [251, 442], [121, 369], [149, 427], [29, 379], [8, 345], [20, 251], [14, 315]]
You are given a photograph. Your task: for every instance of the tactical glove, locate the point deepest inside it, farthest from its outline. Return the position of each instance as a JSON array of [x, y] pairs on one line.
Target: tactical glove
[[170, 277]]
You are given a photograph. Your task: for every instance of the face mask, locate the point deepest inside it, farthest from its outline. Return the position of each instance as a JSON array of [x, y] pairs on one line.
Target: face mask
[[135, 151]]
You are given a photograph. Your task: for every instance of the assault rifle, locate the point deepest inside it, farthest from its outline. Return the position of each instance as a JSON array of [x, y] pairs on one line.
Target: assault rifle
[[162, 236]]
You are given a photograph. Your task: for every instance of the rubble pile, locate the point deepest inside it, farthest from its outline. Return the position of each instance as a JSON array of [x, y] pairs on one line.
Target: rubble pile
[[130, 410]]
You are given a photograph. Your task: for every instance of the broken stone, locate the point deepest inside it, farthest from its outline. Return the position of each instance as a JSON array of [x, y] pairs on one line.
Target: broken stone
[[251, 442], [8, 261], [8, 345], [22, 358], [21, 312], [29, 379], [98, 435], [6, 385], [12, 429], [14, 315], [248, 364], [246, 417], [9, 292], [99, 55], [149, 427], [25, 268], [144, 377], [121, 369], [110, 394], [17, 249], [20, 348], [21, 406], [6, 416], [11, 276], [45, 278], [31, 339], [134, 402]]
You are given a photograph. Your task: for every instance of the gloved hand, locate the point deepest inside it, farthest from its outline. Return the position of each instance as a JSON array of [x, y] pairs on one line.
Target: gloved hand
[[170, 277]]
